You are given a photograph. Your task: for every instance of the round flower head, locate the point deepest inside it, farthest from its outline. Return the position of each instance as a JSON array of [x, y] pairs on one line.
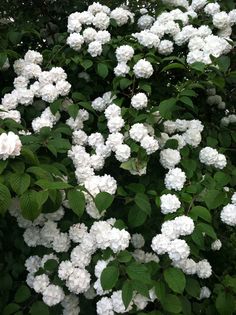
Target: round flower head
[[143, 69]]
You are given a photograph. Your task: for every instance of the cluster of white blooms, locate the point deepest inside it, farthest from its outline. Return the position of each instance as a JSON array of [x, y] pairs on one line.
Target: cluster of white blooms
[[205, 293], [10, 145], [47, 85], [140, 133], [216, 245], [215, 99], [123, 55], [90, 27], [211, 157], [169, 203], [230, 119], [177, 249], [228, 213], [190, 132], [139, 101]]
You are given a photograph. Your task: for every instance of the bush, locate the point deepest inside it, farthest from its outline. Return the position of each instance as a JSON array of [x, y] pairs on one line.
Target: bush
[[117, 158]]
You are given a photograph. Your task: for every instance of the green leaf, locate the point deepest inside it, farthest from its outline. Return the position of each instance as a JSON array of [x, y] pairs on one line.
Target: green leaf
[[14, 37], [102, 70], [160, 290], [172, 304], [42, 197], [186, 100], [166, 107], [19, 182], [136, 217], [208, 229], [174, 65], [124, 256], [188, 93], [175, 279], [127, 292], [225, 303], [186, 306], [124, 83], [29, 205], [29, 156], [140, 287], [39, 308], [223, 63], [214, 198], [3, 58], [138, 272], [198, 66], [39, 172], [109, 277], [3, 165], [50, 265], [73, 110], [103, 200], [193, 287], [142, 201], [201, 212], [86, 64], [55, 106], [221, 178], [11, 309], [22, 294], [5, 198], [76, 201], [45, 184]]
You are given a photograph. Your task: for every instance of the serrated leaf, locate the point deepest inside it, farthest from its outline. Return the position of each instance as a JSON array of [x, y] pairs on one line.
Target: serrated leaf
[[175, 279], [142, 201], [127, 293], [5, 198], [208, 229], [29, 205], [22, 294], [76, 201], [214, 198], [29, 156], [11, 308], [124, 256], [102, 70], [109, 277], [45, 184], [166, 107], [186, 100], [39, 308], [172, 304], [225, 303], [103, 200], [173, 65], [136, 217], [201, 212], [19, 182], [160, 290], [193, 287], [86, 64], [73, 110], [138, 272], [124, 83]]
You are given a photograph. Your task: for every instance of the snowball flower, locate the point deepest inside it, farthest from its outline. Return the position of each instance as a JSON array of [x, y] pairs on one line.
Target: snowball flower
[[40, 283], [105, 307], [160, 244], [175, 179], [10, 145], [216, 245], [204, 269], [139, 101], [228, 214], [178, 250], [53, 295], [169, 158], [95, 48], [123, 152], [143, 69], [124, 53], [121, 69], [169, 203], [205, 293], [137, 240], [138, 132]]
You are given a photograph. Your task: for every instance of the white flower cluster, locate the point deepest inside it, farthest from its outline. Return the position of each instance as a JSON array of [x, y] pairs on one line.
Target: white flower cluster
[[201, 41], [190, 132], [228, 214], [47, 85], [215, 99], [10, 145], [211, 157], [123, 55], [178, 250], [169, 203], [90, 27], [140, 133], [230, 119]]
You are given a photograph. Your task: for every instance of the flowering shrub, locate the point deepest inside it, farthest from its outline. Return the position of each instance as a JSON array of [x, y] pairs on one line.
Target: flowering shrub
[[117, 161]]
